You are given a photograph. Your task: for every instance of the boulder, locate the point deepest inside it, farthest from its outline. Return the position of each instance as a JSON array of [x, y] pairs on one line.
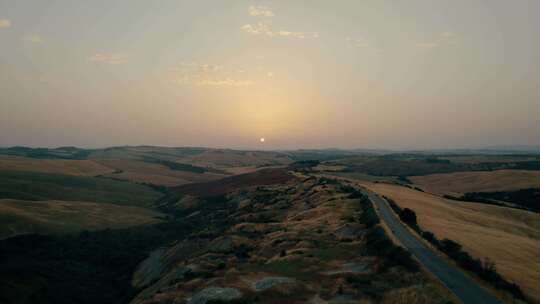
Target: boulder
[[223, 294], [270, 282]]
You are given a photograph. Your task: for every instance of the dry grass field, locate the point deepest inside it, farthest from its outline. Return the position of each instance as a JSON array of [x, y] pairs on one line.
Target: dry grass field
[[231, 158], [484, 181], [60, 217], [510, 237], [143, 172], [58, 166]]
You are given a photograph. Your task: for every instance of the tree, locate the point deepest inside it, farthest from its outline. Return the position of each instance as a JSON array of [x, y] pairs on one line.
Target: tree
[[408, 216]]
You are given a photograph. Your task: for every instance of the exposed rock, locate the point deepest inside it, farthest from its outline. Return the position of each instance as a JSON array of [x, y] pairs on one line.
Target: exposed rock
[[356, 268], [215, 294], [305, 244], [244, 203], [270, 282], [222, 244], [349, 232], [150, 269]]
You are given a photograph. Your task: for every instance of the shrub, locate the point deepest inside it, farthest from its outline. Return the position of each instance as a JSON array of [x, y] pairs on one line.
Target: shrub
[[408, 217], [430, 237], [369, 217], [450, 247], [378, 243]]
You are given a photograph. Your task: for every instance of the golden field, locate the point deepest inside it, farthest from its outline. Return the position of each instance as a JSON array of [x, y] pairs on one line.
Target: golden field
[[57, 166], [482, 181], [510, 237], [143, 172]]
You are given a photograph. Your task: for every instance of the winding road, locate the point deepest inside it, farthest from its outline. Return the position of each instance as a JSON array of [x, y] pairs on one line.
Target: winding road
[[466, 289]]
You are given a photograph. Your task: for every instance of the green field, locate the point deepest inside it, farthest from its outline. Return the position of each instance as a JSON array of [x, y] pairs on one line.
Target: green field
[[43, 186]]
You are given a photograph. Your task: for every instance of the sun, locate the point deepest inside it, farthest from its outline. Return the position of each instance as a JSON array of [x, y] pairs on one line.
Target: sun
[[262, 139]]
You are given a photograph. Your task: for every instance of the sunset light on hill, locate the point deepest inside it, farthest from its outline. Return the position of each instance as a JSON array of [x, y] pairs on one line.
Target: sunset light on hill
[[269, 151]]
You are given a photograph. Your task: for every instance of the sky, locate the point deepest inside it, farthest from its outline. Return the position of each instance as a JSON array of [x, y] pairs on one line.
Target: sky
[[416, 74]]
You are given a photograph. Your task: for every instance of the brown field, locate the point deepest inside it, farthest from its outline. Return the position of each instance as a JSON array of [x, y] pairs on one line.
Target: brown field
[[240, 170], [60, 217], [142, 172], [58, 166], [231, 183], [510, 237], [463, 182]]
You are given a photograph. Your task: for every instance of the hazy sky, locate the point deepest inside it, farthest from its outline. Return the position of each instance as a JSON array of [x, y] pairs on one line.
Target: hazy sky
[[302, 74]]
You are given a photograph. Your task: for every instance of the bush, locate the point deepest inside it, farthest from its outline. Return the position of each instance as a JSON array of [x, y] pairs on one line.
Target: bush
[[450, 247], [369, 217], [408, 217], [430, 237], [378, 243]]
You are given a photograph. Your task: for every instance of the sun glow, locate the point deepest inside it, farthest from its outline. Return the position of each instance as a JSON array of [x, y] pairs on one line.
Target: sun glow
[[262, 139]]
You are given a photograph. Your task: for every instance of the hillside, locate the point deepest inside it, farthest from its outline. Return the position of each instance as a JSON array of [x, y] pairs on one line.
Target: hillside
[[302, 240], [63, 217], [464, 182]]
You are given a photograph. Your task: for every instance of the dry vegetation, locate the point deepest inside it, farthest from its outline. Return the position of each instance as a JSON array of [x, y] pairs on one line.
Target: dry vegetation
[[483, 181], [60, 217], [143, 172], [510, 237], [58, 166], [231, 158], [292, 242]]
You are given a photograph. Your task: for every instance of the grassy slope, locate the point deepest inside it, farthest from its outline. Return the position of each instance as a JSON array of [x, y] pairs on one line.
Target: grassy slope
[[43, 186], [463, 182], [510, 237], [139, 171], [60, 217], [58, 166]]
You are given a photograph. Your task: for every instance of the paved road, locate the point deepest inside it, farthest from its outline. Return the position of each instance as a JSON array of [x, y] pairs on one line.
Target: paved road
[[467, 290]]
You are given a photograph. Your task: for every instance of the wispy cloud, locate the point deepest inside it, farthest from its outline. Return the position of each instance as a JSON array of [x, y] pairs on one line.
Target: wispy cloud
[[427, 45], [358, 42], [4, 23], [110, 58], [261, 11], [264, 29], [192, 73], [32, 38], [444, 39]]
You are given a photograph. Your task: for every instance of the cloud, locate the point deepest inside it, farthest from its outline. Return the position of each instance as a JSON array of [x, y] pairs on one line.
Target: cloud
[[224, 82], [197, 74], [358, 42], [32, 38], [448, 38], [427, 45], [260, 11], [5, 23], [109, 58], [263, 29]]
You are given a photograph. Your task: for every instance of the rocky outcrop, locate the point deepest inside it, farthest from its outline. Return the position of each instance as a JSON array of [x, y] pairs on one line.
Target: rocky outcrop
[[215, 294]]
